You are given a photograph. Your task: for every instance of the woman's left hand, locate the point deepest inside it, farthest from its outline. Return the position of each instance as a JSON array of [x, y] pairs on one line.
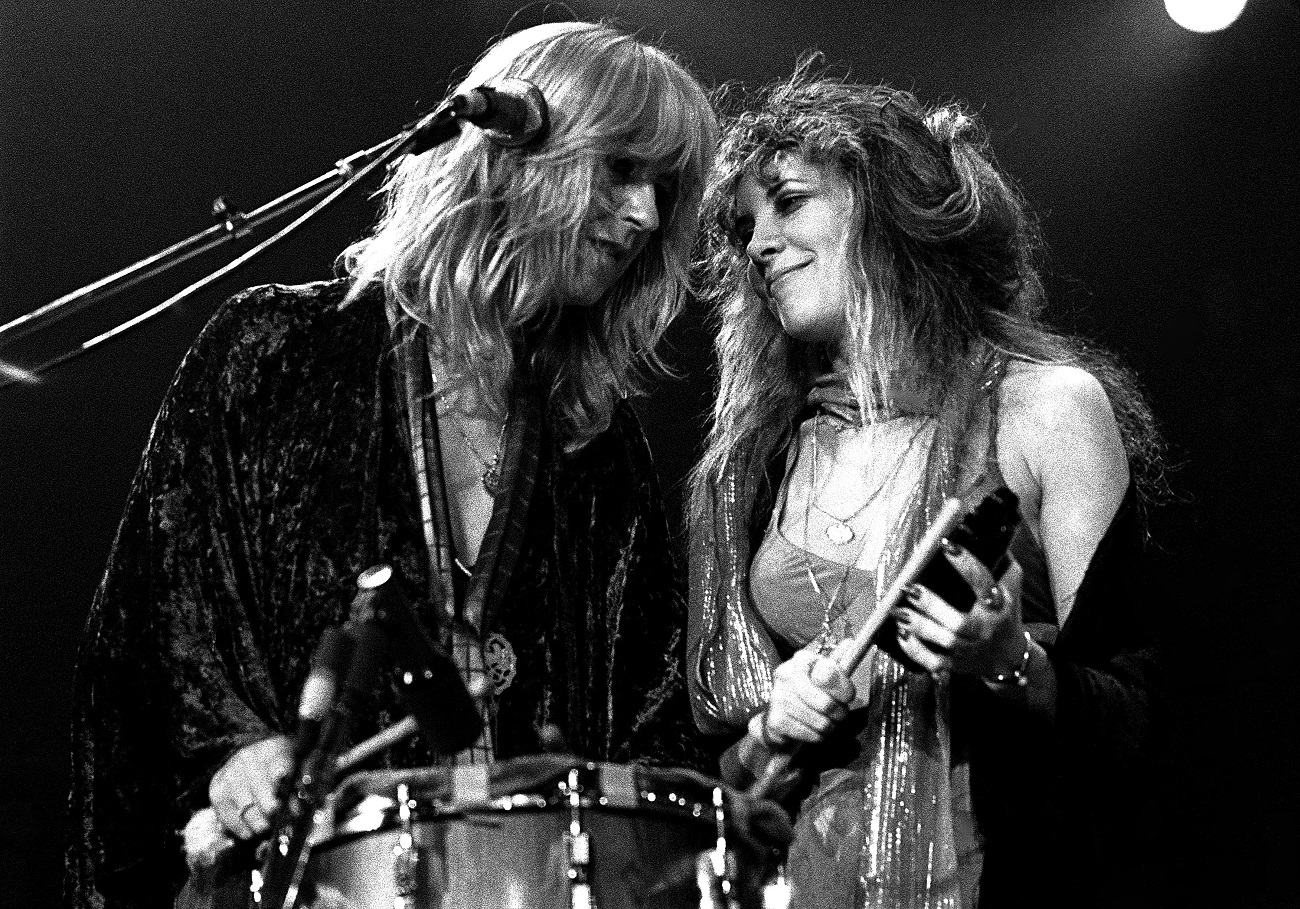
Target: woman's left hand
[[988, 640]]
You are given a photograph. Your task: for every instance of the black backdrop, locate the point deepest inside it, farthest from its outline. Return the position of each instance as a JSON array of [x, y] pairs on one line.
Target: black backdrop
[[1163, 163]]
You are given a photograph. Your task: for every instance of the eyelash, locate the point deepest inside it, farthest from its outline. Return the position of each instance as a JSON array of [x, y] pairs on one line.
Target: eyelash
[[621, 169], [785, 203], [782, 204]]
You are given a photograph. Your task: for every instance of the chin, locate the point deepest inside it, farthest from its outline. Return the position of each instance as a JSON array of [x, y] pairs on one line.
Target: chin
[[808, 333]]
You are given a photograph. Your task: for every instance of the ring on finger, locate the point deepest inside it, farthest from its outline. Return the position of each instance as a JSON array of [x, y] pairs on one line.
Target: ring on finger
[[996, 598]]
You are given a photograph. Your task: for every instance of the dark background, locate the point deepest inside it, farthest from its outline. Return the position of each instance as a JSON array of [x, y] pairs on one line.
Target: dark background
[[1163, 163]]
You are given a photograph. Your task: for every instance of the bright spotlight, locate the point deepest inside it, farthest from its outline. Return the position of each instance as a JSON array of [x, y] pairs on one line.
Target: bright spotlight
[[1204, 15]]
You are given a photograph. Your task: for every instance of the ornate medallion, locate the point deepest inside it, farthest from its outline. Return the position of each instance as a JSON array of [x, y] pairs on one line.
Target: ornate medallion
[[839, 533], [492, 481], [499, 661]]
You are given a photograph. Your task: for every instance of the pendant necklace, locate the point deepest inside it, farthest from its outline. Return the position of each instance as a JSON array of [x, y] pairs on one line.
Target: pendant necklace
[[840, 531], [491, 476], [826, 642]]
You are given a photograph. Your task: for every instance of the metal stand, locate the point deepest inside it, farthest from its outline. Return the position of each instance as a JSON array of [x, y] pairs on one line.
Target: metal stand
[[436, 127], [231, 225]]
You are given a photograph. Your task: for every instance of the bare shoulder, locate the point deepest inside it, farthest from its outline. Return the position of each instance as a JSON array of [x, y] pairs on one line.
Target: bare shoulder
[[1052, 398], [1058, 438], [1060, 449]]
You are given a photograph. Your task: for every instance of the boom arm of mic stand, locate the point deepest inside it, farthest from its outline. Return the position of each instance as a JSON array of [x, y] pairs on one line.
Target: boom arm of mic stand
[[436, 127], [162, 261], [397, 146]]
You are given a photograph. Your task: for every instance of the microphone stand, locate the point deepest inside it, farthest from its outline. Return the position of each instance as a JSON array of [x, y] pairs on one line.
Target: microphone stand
[[385, 633], [433, 129], [277, 886], [233, 225]]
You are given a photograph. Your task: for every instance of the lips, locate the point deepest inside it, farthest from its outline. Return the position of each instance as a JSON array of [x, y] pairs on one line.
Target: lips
[[780, 273], [616, 251]]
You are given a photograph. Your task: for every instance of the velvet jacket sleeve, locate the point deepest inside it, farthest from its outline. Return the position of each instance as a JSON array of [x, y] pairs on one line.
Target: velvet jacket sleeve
[[627, 651], [184, 658], [1063, 797], [656, 724]]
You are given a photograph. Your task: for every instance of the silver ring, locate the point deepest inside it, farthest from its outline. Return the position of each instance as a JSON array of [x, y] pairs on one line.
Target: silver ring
[[996, 598]]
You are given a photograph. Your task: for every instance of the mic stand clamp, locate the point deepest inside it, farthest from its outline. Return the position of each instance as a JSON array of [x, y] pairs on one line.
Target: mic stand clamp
[[230, 217]]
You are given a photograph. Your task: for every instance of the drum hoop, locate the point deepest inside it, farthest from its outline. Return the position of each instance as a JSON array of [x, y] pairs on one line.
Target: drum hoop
[[385, 817]]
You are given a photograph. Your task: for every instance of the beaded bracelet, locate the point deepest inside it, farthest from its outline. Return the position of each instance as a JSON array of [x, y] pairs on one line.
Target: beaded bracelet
[[1019, 675]]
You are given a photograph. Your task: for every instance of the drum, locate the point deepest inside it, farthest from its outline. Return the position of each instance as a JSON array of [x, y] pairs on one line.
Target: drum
[[543, 832]]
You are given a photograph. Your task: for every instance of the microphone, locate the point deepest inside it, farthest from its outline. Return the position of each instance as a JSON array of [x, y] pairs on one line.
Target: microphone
[[353, 654], [511, 113], [328, 663], [429, 681]]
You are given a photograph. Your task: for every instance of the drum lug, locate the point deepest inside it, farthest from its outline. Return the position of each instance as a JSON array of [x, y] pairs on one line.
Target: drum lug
[[715, 868], [776, 893], [577, 846], [406, 854]]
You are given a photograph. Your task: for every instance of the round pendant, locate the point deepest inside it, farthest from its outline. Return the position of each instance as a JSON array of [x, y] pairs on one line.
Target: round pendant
[[492, 480], [499, 661], [839, 533]]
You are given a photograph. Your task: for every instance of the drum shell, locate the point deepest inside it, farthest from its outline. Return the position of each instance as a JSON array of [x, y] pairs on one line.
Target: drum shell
[[513, 849]]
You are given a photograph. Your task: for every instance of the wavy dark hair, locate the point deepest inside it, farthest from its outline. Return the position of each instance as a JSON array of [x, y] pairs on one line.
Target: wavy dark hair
[[946, 283], [477, 241]]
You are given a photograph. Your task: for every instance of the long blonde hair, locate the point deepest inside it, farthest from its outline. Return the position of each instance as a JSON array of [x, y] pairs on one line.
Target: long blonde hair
[[946, 281], [476, 240]]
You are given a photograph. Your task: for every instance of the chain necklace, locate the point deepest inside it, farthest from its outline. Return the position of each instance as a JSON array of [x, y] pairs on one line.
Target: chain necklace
[[827, 641], [839, 531], [491, 475], [828, 603]]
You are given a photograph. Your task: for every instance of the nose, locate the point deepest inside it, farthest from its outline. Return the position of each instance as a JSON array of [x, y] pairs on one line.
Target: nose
[[764, 243], [638, 205]]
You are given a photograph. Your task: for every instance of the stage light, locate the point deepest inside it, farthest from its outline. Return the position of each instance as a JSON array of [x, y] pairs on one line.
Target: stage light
[[1204, 15]]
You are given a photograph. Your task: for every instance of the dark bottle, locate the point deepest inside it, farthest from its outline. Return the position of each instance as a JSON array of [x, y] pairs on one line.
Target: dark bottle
[[985, 531]]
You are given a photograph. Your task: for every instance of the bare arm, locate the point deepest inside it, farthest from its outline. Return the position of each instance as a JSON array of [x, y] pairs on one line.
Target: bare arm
[[1060, 451]]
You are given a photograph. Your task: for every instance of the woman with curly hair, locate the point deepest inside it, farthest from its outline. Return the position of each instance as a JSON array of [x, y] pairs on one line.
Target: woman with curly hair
[[455, 407], [880, 349]]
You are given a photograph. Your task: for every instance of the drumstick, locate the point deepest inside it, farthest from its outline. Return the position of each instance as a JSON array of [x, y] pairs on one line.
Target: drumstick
[[386, 738], [403, 729], [849, 652]]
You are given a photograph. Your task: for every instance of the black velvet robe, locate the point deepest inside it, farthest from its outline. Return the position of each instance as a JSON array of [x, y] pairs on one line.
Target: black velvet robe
[[275, 472]]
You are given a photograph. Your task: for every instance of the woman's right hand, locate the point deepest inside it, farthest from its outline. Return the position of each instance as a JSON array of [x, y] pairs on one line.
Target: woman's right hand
[[243, 791], [810, 697]]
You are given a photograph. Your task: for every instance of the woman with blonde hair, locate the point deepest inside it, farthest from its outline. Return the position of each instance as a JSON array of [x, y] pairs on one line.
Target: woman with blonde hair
[[455, 407], [880, 349]]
